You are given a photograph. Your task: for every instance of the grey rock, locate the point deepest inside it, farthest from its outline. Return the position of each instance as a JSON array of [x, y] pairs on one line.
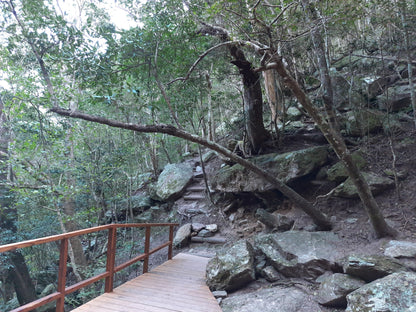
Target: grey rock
[[334, 289], [397, 99], [393, 293], [183, 236], [397, 249], [232, 267], [377, 185], [196, 227], [173, 181], [208, 156], [272, 222], [338, 173], [212, 228], [298, 253], [274, 299], [220, 294], [288, 167], [363, 121], [293, 113], [370, 267], [270, 274], [205, 233]]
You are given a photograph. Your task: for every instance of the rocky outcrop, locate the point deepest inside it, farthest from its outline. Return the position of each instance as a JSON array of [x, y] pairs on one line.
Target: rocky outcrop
[[232, 267], [393, 293], [377, 185], [288, 167], [271, 300], [404, 252], [370, 267], [334, 289], [297, 253], [173, 181]]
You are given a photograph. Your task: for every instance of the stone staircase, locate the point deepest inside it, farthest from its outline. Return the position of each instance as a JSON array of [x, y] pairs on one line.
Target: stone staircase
[[193, 202]]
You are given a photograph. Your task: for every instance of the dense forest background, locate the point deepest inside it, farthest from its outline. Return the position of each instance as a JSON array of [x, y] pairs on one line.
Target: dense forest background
[[217, 73]]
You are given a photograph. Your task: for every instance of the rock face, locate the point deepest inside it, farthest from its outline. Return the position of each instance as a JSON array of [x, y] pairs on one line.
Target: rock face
[[173, 181], [298, 253], [334, 289], [274, 299], [370, 268], [287, 167], [232, 268], [377, 185], [393, 293]]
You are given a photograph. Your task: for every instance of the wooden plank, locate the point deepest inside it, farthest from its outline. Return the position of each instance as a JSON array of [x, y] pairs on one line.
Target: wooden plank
[[178, 285]]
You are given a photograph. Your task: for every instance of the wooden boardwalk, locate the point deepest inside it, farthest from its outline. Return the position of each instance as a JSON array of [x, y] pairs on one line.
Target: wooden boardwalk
[[178, 285]]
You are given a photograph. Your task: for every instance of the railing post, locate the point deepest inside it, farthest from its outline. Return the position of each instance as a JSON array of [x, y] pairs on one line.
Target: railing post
[[171, 242], [63, 256], [146, 250], [111, 258]]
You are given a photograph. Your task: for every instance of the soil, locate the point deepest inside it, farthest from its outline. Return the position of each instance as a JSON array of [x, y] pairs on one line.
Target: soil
[[395, 154]]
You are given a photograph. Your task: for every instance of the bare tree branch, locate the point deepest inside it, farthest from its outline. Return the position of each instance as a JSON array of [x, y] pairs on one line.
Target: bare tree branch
[[318, 217]]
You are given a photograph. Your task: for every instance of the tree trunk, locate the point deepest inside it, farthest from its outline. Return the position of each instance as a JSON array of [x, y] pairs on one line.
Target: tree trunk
[[337, 142], [318, 217], [319, 50], [253, 98], [17, 272]]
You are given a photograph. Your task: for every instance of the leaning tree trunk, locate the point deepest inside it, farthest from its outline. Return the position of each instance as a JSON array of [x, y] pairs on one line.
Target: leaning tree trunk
[[253, 98], [318, 217], [17, 272], [374, 213]]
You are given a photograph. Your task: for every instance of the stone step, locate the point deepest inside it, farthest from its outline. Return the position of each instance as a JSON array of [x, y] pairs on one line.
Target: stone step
[[196, 188], [194, 197]]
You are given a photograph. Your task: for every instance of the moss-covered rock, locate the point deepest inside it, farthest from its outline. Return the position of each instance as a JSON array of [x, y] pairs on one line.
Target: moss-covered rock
[[232, 268], [338, 173], [377, 185], [288, 167]]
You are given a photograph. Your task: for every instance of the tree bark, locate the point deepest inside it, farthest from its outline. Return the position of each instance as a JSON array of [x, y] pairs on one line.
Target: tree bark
[[318, 217], [253, 98], [319, 49], [374, 213], [17, 272]]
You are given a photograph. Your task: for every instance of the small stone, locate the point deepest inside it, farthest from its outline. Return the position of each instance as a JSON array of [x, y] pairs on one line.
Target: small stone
[[270, 274], [196, 227], [220, 294], [212, 228], [205, 233]]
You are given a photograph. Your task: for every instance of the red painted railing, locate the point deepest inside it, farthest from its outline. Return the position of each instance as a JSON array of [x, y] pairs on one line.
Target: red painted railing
[[111, 269]]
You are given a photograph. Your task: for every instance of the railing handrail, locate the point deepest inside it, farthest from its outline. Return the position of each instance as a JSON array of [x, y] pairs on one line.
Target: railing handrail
[[111, 269]]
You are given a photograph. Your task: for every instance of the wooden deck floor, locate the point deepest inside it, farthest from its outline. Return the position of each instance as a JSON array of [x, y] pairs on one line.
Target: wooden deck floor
[[177, 285]]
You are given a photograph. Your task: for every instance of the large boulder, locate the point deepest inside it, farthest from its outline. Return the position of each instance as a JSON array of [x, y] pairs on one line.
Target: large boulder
[[173, 181], [297, 253], [287, 167], [370, 267], [338, 173], [232, 268], [393, 293], [363, 121], [398, 97], [377, 185], [276, 299], [334, 289]]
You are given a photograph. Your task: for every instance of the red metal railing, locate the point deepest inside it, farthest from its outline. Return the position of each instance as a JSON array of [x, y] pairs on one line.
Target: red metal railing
[[111, 269]]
